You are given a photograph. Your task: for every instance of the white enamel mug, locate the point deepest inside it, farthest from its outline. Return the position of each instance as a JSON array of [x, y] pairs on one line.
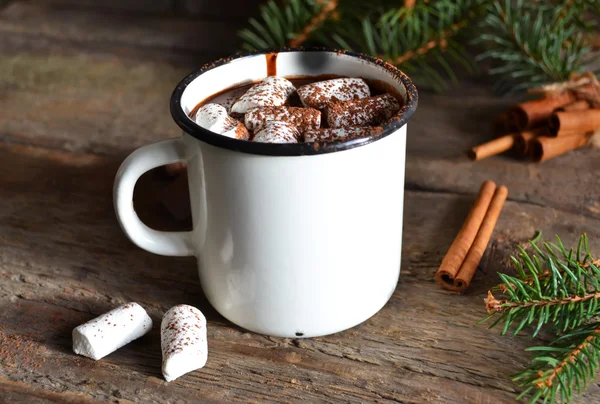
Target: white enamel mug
[[292, 240]]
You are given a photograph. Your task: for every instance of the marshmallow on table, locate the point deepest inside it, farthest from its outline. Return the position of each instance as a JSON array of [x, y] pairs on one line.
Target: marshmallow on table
[[362, 112], [302, 119], [331, 134], [183, 341], [318, 95], [272, 91], [110, 331], [215, 118], [277, 132]]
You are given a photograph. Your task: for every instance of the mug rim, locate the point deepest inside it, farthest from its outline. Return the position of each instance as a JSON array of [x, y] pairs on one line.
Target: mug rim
[[291, 149]]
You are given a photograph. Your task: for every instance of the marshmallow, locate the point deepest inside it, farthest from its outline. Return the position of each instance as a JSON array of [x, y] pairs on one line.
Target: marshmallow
[[302, 119], [214, 117], [109, 332], [272, 91], [332, 134], [318, 95], [277, 132], [183, 341], [362, 112]]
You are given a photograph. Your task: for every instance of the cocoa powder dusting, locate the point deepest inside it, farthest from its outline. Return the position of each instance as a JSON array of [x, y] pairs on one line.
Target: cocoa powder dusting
[[20, 352], [302, 119], [345, 102], [362, 112], [320, 94]]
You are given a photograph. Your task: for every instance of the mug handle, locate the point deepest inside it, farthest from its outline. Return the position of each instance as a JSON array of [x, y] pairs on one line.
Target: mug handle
[[137, 163]]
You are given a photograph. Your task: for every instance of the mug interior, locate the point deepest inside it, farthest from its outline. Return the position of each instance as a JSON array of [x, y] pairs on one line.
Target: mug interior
[[247, 68]]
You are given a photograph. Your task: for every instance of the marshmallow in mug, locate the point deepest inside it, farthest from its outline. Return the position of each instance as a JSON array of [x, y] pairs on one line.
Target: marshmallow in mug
[[277, 132], [110, 331], [183, 341], [319, 94], [302, 119], [215, 118], [362, 112], [272, 91]]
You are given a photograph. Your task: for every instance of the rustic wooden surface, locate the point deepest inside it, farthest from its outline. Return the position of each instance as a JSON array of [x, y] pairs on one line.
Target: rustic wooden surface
[[81, 86]]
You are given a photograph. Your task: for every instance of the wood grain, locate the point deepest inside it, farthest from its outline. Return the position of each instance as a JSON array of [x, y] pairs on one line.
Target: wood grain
[[100, 33], [82, 85], [444, 128], [65, 261], [228, 10], [97, 28]]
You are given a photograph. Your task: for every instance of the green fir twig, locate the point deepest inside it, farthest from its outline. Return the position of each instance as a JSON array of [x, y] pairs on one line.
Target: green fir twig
[[558, 287], [531, 42], [278, 25], [422, 40], [562, 368], [535, 44]]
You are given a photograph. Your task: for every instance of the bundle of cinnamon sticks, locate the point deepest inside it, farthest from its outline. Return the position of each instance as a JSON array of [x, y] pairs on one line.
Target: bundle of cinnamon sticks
[[462, 259], [544, 128]]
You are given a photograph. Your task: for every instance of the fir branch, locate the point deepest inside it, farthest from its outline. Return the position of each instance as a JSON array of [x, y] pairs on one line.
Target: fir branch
[[587, 262], [417, 37], [280, 24], [535, 44], [499, 306], [566, 365], [440, 43], [541, 276], [314, 23], [562, 287], [553, 286], [531, 43]]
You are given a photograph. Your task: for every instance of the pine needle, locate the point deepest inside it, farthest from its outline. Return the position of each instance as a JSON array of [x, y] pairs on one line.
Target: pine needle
[[314, 23], [531, 43], [559, 287]]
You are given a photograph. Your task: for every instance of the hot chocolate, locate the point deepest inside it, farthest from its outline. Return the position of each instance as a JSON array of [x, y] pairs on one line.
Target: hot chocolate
[[313, 109]]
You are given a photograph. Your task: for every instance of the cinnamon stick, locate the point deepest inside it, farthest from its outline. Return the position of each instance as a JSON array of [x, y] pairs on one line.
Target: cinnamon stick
[[523, 140], [491, 148], [579, 105], [544, 148], [471, 262], [503, 124], [532, 113], [459, 249], [564, 123]]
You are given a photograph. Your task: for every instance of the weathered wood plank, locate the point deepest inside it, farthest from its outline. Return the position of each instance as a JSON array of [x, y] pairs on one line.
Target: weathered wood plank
[[123, 104], [236, 9], [85, 86], [141, 6], [17, 392], [445, 127], [85, 103], [55, 95], [64, 260], [97, 29]]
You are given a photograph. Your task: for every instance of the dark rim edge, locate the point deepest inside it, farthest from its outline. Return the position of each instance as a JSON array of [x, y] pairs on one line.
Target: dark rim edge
[[295, 149]]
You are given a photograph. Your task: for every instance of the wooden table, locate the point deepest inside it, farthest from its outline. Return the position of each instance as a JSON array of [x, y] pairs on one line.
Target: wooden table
[[82, 86]]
